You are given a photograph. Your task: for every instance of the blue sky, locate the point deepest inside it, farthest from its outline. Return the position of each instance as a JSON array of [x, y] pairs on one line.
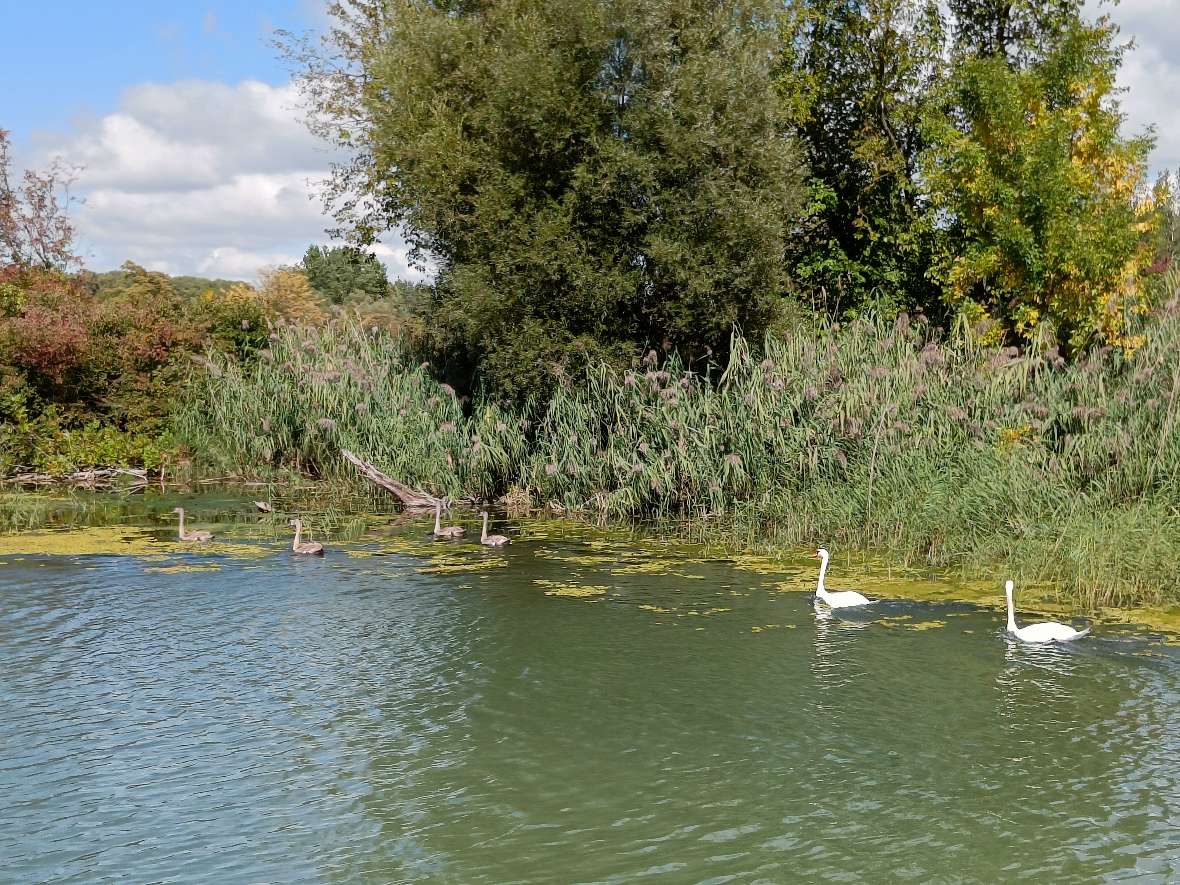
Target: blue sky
[[189, 132], [70, 59], [185, 125]]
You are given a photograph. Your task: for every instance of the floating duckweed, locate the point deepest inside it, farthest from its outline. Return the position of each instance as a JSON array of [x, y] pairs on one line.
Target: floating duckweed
[[570, 591], [925, 625], [792, 586], [1166, 619], [597, 544], [402, 545], [458, 566], [115, 540], [655, 608], [763, 565], [576, 559], [656, 567]]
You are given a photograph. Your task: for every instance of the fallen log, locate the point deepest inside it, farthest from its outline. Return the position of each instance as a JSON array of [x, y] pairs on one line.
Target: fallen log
[[409, 497]]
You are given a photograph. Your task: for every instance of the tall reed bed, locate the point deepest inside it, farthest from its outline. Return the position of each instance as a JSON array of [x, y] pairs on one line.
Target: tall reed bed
[[872, 434], [314, 392], [880, 435]]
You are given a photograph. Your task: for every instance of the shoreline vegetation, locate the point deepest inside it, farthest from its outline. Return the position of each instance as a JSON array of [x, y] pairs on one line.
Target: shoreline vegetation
[[877, 435], [357, 519], [885, 437]]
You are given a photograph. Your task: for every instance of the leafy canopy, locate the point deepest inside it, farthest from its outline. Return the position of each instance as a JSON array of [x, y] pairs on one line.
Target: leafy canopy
[[860, 76], [1034, 190], [588, 175], [345, 273]]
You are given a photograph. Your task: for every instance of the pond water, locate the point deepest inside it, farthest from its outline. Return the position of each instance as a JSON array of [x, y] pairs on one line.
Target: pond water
[[579, 707]]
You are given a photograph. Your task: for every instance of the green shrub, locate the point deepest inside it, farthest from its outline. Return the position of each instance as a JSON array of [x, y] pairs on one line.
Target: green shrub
[[47, 443]]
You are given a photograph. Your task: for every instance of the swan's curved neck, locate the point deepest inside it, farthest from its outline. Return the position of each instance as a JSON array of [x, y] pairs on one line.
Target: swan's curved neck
[[823, 570], [437, 517], [298, 532], [1011, 611], [483, 533]]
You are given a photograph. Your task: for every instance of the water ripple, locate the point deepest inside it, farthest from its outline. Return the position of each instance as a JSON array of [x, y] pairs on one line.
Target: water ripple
[[354, 720]]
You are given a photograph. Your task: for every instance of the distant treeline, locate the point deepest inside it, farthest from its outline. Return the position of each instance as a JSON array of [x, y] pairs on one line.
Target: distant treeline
[[94, 366]]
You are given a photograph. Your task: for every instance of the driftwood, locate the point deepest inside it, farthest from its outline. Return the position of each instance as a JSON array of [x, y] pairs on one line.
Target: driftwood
[[94, 479], [413, 498]]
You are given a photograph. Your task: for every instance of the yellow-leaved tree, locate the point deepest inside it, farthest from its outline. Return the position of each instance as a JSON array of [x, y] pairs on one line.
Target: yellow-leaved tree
[[1037, 200], [287, 297]]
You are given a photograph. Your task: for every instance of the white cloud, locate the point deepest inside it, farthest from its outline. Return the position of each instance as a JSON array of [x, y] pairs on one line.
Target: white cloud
[[230, 262], [1153, 82], [1150, 72], [202, 177]]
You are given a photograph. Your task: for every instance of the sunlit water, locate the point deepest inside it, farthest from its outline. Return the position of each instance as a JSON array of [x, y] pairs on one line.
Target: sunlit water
[[405, 711]]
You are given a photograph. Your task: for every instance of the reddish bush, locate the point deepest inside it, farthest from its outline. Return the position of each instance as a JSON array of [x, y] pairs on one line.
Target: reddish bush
[[118, 356], [47, 344]]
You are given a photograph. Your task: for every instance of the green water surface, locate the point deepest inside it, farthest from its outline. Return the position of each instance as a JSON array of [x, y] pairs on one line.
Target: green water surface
[[579, 707]]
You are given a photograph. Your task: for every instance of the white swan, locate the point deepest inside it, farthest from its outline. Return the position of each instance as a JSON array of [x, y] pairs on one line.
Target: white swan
[[1047, 631], [841, 598], [199, 535], [451, 531], [490, 540]]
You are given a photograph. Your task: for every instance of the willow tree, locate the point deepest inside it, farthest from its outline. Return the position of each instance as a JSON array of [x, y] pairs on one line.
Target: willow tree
[[587, 176], [1035, 192]]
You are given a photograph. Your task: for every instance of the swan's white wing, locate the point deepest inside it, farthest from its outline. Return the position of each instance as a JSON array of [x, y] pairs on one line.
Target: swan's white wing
[[846, 599], [1048, 631]]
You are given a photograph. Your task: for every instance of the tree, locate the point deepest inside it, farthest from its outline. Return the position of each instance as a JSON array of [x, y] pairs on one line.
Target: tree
[[35, 227], [286, 295], [117, 357], [588, 175], [343, 273], [1034, 192], [233, 319], [865, 72], [1015, 31], [138, 332], [1165, 197]]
